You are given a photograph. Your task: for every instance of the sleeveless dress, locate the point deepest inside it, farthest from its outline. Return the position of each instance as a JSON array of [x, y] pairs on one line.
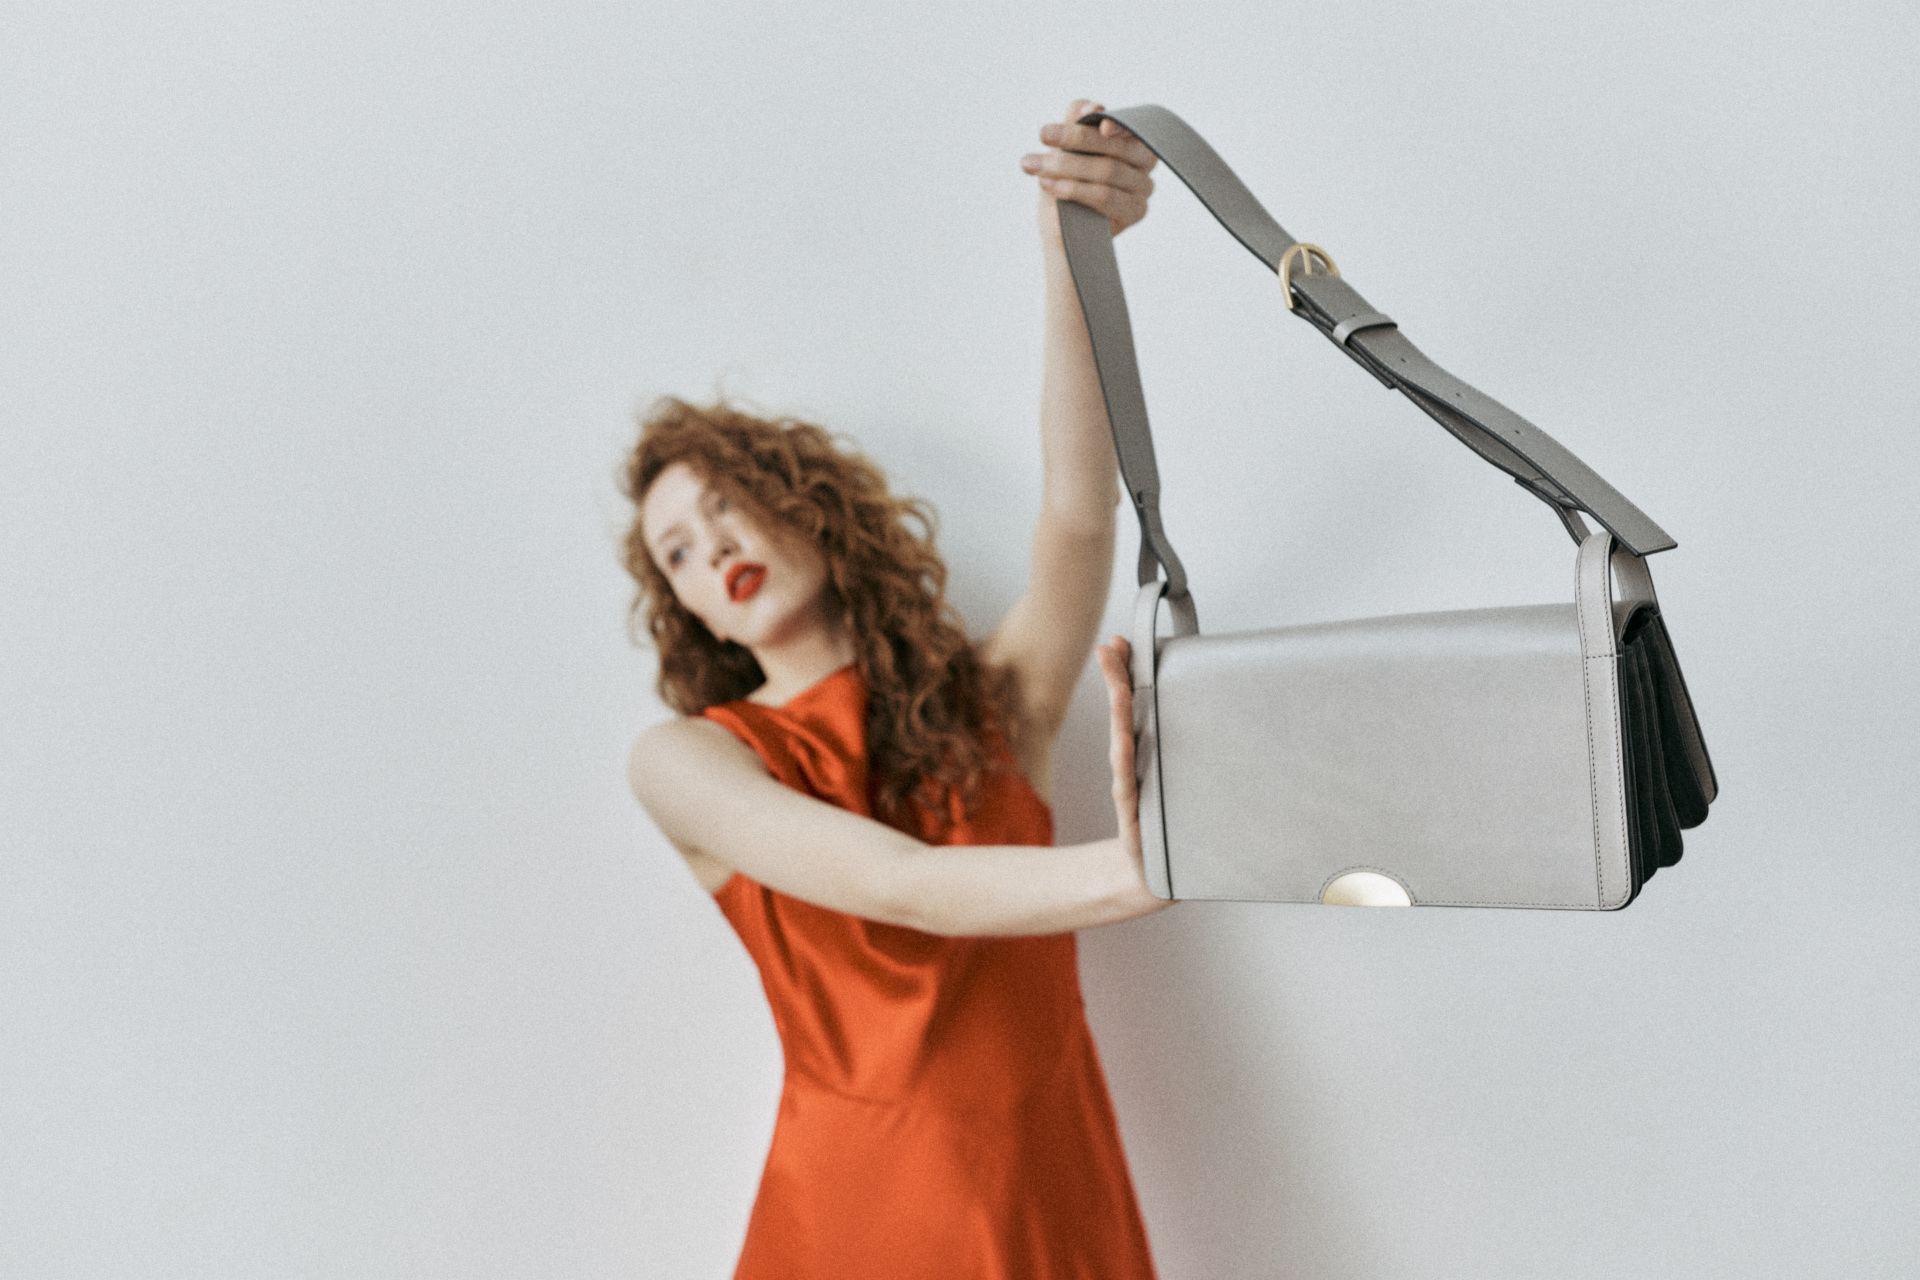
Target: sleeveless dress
[[944, 1115]]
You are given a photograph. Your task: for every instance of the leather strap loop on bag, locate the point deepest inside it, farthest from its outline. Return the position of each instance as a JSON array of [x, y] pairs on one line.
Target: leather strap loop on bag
[[1146, 734], [1541, 464], [1600, 653]]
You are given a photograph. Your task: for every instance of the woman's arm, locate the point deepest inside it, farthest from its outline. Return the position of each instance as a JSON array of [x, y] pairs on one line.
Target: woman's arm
[[1046, 636], [717, 804]]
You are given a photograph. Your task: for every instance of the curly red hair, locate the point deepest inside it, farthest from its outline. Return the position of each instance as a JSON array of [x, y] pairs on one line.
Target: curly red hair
[[932, 706]]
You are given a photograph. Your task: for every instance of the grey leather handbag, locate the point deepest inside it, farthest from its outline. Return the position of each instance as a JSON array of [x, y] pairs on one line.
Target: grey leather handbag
[[1542, 756]]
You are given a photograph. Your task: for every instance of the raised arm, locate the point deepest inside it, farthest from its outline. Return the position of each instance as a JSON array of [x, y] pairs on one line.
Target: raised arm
[[718, 805], [1046, 636]]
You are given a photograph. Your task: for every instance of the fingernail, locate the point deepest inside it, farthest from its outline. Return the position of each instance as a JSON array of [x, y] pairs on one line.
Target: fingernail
[[1030, 163]]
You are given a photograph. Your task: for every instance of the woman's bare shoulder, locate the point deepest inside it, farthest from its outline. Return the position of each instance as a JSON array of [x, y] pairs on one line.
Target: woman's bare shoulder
[[680, 731], [687, 750], [677, 760]]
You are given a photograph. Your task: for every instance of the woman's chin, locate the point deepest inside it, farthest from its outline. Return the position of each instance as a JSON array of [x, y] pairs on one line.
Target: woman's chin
[[789, 628], [763, 629]]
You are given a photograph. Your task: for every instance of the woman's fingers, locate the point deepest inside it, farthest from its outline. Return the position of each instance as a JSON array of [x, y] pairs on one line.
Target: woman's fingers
[[1101, 166], [1097, 140], [1126, 801], [1115, 189], [1096, 170], [1114, 657]]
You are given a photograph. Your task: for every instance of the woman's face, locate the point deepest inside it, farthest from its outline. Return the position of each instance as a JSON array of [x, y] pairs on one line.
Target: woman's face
[[749, 583]]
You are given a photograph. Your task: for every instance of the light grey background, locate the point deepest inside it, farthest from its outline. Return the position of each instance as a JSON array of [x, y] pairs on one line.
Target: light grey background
[[330, 942]]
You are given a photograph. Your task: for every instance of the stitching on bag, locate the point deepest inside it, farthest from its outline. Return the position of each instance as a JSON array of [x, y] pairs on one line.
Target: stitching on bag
[[1617, 726], [1560, 906], [1425, 902], [1593, 778], [1160, 788], [1615, 723], [1613, 705], [1593, 785]]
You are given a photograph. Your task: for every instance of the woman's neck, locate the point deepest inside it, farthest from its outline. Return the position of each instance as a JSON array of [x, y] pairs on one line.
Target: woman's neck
[[795, 664]]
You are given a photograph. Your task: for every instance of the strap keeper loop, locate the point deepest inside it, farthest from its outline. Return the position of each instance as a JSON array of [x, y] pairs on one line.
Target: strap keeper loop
[[1371, 320]]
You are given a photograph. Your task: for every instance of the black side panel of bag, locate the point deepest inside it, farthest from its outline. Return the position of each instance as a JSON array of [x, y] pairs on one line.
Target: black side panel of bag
[[1644, 796], [1663, 795], [1664, 750], [1666, 848], [1689, 801]]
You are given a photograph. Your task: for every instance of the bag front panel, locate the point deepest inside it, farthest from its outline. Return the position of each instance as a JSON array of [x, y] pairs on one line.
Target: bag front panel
[[1447, 750]]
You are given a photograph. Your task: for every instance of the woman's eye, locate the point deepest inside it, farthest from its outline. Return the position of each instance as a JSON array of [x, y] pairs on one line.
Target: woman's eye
[[675, 556]]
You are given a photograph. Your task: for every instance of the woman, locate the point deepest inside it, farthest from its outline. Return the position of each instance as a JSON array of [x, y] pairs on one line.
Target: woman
[[862, 790]]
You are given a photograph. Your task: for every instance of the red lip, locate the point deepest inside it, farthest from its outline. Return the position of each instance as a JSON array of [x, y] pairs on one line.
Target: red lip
[[743, 580]]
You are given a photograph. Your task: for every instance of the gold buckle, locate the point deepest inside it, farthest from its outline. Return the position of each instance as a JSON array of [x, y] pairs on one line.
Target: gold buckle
[[1307, 253]]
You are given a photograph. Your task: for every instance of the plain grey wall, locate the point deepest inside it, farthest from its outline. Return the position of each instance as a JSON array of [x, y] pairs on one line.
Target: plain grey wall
[[330, 941]]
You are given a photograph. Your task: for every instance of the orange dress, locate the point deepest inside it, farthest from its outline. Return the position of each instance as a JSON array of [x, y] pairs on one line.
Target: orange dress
[[944, 1113]]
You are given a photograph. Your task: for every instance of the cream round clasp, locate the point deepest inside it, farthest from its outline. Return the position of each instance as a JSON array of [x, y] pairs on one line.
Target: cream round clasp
[[1365, 889]]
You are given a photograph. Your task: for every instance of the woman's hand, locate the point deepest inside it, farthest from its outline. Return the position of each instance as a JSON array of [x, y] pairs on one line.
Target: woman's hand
[[1103, 167], [1114, 657]]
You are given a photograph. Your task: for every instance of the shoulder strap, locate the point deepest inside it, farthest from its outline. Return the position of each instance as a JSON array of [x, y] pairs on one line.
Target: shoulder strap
[[1540, 464]]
